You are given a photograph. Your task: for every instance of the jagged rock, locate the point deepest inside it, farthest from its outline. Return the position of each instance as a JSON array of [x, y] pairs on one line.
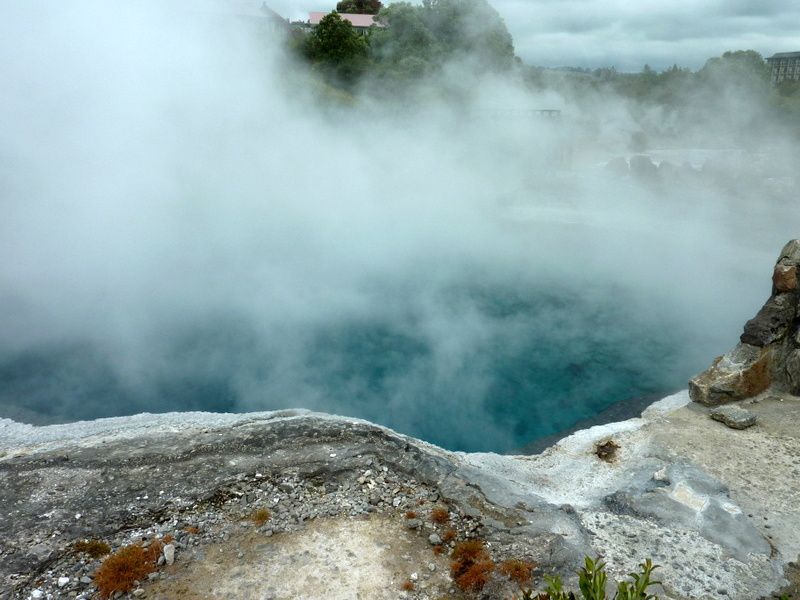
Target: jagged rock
[[169, 554], [784, 278], [793, 371], [772, 321], [790, 254], [769, 351], [743, 372], [734, 417]]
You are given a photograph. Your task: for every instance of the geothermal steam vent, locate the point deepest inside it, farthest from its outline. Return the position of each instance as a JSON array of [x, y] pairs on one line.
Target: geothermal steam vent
[[295, 504]]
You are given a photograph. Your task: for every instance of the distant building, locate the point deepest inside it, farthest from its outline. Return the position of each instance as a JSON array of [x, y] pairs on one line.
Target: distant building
[[253, 11], [785, 66], [361, 23]]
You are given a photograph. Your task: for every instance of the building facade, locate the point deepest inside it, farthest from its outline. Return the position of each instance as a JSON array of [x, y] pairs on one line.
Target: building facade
[[360, 23], [785, 66]]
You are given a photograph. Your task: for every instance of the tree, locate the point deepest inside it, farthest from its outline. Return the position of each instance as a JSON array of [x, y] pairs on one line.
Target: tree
[[359, 7], [426, 36], [470, 29], [336, 46]]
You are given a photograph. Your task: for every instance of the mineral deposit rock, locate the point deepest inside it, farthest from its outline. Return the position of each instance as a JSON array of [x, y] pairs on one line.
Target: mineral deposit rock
[[784, 278], [742, 373], [769, 350]]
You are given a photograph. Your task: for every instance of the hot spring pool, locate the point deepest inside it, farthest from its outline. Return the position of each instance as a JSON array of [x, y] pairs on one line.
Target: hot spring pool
[[479, 369]]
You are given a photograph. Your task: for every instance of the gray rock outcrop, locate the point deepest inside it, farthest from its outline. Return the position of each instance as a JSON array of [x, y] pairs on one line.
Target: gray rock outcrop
[[734, 417], [769, 350]]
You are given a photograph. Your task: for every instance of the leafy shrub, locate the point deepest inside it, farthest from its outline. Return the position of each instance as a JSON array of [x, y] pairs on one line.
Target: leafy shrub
[[592, 584], [592, 579]]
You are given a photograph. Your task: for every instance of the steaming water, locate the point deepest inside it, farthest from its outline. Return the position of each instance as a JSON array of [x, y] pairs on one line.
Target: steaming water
[[537, 362], [190, 224]]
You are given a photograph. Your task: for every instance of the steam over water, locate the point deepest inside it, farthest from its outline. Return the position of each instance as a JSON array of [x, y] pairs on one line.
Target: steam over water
[[191, 223], [534, 361]]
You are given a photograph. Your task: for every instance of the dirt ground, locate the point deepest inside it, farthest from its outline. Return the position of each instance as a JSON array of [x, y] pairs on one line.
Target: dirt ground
[[335, 559]]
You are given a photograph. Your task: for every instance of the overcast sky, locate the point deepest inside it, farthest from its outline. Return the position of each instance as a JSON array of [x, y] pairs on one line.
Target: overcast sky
[[628, 34]]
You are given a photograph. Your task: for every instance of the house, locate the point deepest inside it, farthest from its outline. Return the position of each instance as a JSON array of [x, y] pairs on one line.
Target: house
[[251, 11], [361, 23], [785, 66]]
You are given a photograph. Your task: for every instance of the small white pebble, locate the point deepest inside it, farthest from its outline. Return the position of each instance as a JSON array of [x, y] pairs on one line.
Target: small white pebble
[[78, 515], [333, 455], [37, 594], [414, 577], [62, 581]]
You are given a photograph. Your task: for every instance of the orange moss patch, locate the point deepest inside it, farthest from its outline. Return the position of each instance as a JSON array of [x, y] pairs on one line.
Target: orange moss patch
[[440, 515], [94, 548], [411, 515], [192, 530], [471, 566], [437, 550], [476, 576], [519, 571], [449, 535], [408, 586], [261, 516], [128, 564], [473, 550]]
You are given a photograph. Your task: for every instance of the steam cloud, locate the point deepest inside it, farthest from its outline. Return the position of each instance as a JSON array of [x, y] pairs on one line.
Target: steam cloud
[[187, 225]]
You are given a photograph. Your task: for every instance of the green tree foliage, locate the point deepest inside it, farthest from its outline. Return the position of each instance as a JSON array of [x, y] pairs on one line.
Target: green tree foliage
[[359, 7], [419, 39], [406, 48], [337, 48]]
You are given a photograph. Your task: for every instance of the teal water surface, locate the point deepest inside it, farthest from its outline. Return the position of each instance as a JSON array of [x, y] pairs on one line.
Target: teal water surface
[[492, 369]]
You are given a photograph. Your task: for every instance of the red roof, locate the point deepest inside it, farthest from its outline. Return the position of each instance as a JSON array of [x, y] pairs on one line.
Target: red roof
[[356, 20]]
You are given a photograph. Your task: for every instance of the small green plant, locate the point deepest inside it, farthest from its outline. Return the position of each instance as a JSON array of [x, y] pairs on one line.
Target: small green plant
[[592, 584], [592, 579], [555, 590], [637, 589]]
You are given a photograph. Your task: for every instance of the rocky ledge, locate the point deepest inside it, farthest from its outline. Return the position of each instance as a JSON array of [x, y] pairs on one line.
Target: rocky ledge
[[295, 504], [768, 353]]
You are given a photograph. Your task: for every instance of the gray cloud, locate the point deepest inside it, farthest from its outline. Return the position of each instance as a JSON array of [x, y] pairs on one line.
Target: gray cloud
[[595, 33], [627, 35]]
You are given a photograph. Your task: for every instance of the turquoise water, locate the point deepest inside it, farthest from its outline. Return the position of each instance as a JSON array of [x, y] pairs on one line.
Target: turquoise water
[[491, 369]]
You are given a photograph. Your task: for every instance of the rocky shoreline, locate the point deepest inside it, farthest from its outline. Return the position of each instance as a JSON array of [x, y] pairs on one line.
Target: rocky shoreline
[[294, 504]]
